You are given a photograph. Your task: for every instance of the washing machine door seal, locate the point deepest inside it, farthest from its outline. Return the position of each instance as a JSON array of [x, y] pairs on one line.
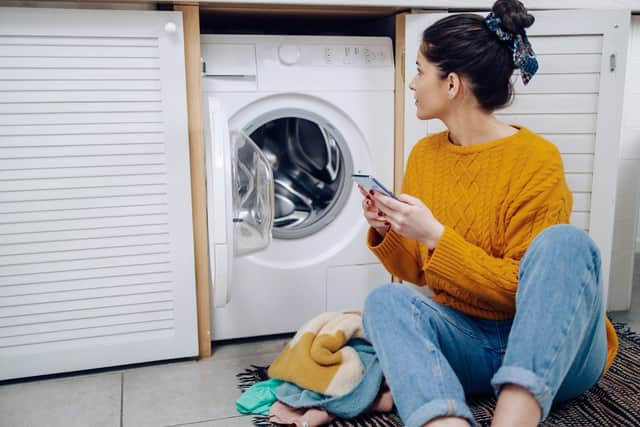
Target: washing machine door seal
[[240, 199]]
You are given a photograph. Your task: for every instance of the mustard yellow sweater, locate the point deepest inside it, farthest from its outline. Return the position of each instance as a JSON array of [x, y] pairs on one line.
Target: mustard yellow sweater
[[493, 199]]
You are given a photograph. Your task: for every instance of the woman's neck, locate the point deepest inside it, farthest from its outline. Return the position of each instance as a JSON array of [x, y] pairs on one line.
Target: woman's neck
[[474, 126]]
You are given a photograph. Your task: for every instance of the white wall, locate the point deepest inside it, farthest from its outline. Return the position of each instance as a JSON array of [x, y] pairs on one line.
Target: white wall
[[626, 230]]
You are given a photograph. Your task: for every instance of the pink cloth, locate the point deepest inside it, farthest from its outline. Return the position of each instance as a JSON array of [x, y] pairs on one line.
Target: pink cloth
[[303, 417], [314, 417]]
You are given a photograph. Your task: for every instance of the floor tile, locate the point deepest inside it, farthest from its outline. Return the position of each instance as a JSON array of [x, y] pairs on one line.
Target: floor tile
[[89, 400], [185, 392], [249, 347]]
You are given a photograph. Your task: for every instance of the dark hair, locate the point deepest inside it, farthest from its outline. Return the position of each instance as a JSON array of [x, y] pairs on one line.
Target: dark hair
[[463, 44]]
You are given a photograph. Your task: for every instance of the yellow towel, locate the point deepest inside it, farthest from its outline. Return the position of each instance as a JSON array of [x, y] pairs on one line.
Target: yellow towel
[[317, 357]]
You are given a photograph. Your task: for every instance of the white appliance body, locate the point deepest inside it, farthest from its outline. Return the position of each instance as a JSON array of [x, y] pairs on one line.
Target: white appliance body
[[345, 86]]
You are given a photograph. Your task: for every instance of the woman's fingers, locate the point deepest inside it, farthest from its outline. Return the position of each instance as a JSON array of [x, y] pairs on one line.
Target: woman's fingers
[[368, 204], [410, 200], [390, 203], [375, 217]]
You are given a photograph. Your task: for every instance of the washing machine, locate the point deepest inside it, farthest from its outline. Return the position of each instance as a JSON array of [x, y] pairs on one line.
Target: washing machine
[[288, 119]]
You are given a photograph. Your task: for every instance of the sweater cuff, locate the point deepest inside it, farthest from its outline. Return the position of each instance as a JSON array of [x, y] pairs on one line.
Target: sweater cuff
[[383, 246], [449, 256]]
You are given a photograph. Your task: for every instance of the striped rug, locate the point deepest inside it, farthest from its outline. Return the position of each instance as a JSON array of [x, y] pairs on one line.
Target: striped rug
[[614, 401]]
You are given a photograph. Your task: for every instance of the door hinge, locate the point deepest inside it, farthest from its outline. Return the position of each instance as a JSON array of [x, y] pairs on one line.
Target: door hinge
[[612, 62]]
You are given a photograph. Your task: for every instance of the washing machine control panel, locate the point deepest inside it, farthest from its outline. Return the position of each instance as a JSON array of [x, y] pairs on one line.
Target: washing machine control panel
[[355, 55]]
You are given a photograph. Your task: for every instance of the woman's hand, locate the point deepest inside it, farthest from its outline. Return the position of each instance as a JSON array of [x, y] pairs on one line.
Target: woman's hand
[[410, 218], [372, 214]]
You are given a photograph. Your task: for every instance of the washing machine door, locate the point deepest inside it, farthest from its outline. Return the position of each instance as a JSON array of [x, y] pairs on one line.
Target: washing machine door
[[240, 199]]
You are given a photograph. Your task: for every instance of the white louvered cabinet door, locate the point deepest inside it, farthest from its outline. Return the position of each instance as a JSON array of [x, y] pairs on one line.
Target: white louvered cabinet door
[[96, 245], [575, 101]]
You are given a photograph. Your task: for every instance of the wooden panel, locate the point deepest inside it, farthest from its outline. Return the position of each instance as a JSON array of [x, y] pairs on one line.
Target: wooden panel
[[191, 16], [399, 103], [399, 107]]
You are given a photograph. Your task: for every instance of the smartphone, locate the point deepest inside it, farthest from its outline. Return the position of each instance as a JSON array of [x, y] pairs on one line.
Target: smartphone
[[368, 182]]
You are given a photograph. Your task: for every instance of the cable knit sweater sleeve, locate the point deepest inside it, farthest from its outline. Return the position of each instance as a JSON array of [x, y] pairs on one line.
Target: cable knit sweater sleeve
[[537, 199], [399, 255]]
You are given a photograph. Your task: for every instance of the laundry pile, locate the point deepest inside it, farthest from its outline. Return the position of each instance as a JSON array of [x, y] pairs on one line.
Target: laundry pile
[[327, 370]]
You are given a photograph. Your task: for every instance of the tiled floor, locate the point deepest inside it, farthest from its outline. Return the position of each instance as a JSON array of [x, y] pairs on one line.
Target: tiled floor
[[192, 393]]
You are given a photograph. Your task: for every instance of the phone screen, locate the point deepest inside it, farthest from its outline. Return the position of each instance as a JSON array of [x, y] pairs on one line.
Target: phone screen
[[368, 182]]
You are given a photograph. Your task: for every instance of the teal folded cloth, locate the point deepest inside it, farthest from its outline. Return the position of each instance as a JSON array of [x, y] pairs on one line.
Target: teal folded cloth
[[352, 404], [258, 398]]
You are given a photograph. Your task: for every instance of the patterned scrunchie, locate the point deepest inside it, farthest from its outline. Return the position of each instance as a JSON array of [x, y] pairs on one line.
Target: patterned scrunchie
[[523, 56]]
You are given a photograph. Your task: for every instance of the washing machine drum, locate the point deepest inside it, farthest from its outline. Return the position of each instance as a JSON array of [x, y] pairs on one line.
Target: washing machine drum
[[310, 166]]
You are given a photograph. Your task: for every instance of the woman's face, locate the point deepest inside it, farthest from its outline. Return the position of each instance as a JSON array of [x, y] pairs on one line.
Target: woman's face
[[430, 91]]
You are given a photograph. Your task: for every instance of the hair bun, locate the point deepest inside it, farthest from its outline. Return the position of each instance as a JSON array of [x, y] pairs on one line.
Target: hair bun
[[514, 16]]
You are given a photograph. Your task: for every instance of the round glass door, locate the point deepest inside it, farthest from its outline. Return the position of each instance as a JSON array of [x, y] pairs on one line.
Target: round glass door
[[311, 166]]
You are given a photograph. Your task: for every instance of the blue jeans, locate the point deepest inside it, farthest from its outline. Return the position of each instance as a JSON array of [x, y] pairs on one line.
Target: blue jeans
[[555, 346]]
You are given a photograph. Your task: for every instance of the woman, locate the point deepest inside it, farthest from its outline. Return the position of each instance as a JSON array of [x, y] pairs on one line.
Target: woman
[[518, 307]]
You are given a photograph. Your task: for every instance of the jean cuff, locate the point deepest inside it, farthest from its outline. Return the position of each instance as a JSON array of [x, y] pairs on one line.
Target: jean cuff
[[439, 408], [527, 379]]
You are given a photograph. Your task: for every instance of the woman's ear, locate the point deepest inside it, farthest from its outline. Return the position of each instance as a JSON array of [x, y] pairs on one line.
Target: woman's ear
[[454, 85]]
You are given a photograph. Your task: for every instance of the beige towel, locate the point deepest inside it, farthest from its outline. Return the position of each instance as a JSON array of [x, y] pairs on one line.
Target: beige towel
[[318, 358]]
